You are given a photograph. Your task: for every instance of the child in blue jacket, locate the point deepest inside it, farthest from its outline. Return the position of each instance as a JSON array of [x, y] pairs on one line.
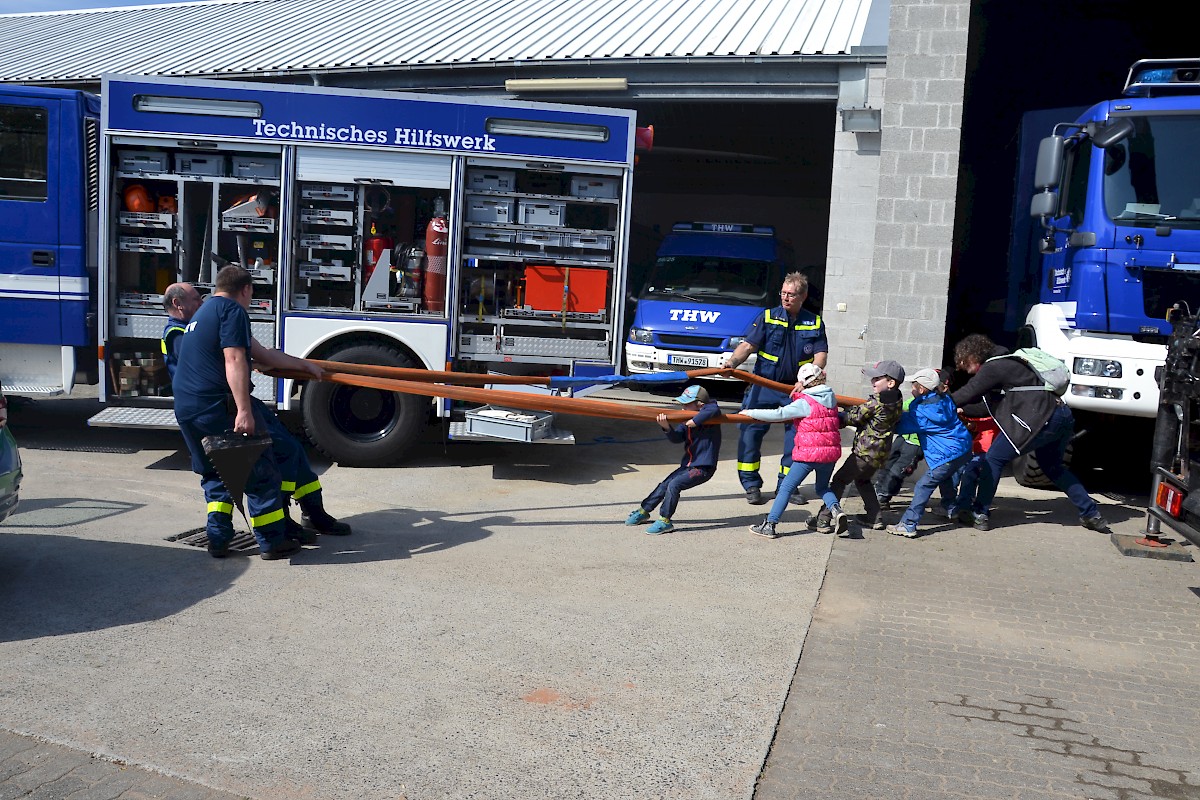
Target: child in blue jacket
[[701, 449], [945, 441]]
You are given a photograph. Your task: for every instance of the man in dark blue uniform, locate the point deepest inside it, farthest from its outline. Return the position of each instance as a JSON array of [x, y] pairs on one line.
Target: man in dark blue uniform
[[783, 338], [213, 374], [182, 301], [300, 482]]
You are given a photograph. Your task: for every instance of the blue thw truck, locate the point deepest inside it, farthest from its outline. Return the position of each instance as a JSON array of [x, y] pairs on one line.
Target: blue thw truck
[[406, 230], [709, 282], [1116, 194]]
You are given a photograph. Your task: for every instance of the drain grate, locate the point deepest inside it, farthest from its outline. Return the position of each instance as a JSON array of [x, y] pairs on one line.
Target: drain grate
[[243, 542]]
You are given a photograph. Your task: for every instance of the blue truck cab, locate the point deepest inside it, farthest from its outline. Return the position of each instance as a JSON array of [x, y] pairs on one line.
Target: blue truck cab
[[49, 195], [709, 281]]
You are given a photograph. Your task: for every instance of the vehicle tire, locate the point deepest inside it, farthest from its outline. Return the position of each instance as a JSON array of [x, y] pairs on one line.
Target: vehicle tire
[[359, 427], [1029, 474]]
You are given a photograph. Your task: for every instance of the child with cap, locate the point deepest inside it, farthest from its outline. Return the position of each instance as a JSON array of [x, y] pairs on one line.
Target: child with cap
[[817, 445], [701, 449], [945, 441], [874, 421]]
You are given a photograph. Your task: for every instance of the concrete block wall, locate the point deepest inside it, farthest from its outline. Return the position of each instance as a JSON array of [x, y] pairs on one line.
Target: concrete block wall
[[852, 218], [918, 173]]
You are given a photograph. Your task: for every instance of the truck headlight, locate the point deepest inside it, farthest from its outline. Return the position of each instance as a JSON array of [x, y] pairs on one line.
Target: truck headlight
[[1101, 392], [734, 341], [1097, 367], [640, 335]]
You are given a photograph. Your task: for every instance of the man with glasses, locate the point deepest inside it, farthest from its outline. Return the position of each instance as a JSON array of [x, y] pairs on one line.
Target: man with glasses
[[783, 338]]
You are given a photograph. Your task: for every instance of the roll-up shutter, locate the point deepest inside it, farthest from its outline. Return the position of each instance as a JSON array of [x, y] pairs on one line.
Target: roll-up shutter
[[400, 169]]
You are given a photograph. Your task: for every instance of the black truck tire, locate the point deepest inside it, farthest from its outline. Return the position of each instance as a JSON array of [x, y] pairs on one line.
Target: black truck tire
[[1028, 472], [359, 427]]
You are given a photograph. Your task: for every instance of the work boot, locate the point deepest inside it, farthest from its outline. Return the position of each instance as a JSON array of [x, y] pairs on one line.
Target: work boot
[[281, 549], [320, 521], [218, 549], [294, 530], [754, 497]]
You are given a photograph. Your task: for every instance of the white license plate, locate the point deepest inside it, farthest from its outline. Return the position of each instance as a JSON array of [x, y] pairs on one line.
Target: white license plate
[[688, 361]]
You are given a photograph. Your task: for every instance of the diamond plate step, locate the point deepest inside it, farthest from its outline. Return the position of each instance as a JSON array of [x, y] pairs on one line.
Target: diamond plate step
[[161, 419]]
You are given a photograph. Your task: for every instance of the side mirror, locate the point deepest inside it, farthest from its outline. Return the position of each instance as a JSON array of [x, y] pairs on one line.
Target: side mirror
[[1118, 130], [1048, 171], [1044, 204]]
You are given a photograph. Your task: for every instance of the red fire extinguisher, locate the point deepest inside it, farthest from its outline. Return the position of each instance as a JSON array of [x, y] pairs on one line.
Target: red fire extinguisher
[[437, 235], [373, 247]]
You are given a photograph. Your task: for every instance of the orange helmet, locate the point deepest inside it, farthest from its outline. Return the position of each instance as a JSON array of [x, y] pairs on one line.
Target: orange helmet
[[137, 198], [167, 204]]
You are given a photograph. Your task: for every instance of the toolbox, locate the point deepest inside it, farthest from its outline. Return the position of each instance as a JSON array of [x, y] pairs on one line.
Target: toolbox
[[255, 167], [141, 161], [210, 164], [491, 180], [484, 241], [587, 289], [542, 212], [590, 186], [489, 209], [506, 423]]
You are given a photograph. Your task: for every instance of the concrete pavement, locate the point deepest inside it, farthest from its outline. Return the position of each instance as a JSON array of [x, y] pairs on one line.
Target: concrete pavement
[[475, 640]]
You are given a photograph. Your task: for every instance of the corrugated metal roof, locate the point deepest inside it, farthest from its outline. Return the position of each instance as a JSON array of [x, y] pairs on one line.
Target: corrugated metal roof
[[249, 37]]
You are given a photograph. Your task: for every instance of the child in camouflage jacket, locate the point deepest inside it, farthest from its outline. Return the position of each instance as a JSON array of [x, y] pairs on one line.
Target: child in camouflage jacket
[[875, 420]]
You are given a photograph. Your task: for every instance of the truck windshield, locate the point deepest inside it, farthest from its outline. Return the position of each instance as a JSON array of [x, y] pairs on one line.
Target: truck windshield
[[709, 279], [1153, 177]]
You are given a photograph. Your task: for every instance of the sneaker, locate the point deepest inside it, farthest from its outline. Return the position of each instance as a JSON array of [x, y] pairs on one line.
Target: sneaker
[[323, 523], [218, 549], [819, 524], [637, 517], [873, 524], [766, 528], [660, 525], [900, 530], [841, 522], [754, 497], [981, 522], [885, 503], [283, 549], [294, 530], [1096, 523]]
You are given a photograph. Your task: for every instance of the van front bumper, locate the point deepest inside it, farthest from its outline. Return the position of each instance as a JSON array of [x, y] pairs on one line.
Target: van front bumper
[[642, 359]]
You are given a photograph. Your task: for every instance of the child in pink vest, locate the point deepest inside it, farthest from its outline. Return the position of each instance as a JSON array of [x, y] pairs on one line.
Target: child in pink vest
[[818, 444]]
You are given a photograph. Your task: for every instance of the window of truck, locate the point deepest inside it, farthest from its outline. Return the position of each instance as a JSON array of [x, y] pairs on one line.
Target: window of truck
[[23, 156], [736, 281], [1152, 178]]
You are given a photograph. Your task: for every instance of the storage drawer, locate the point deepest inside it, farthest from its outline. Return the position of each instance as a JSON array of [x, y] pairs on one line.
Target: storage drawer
[[489, 242], [489, 209], [146, 219], [491, 180], [145, 244], [141, 161], [326, 241], [542, 212], [538, 241], [327, 216], [591, 186], [255, 167], [328, 191], [211, 164], [583, 241], [324, 272]]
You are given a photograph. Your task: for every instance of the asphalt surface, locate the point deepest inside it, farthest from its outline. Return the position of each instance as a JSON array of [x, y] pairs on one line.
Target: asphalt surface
[[493, 630]]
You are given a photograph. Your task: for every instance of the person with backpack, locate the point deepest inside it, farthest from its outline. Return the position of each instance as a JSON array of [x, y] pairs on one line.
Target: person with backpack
[[1022, 391]]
